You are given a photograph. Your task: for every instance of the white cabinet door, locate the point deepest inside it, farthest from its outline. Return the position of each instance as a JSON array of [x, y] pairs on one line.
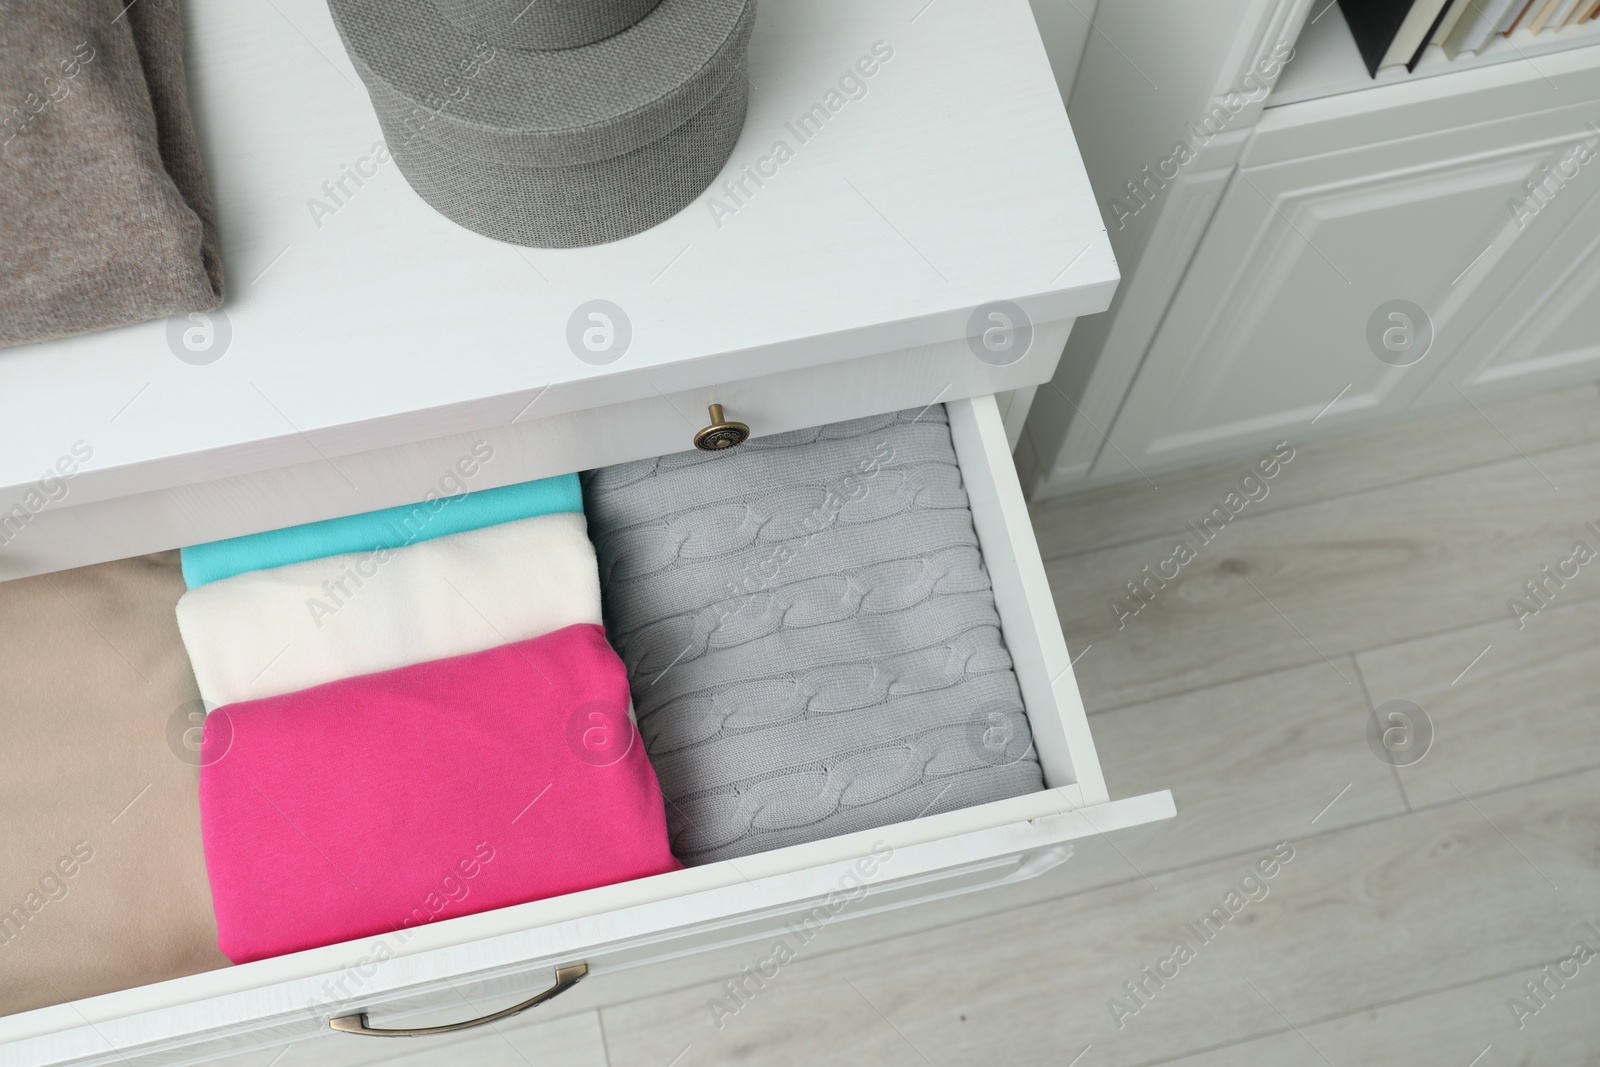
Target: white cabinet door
[[1541, 326], [1277, 329]]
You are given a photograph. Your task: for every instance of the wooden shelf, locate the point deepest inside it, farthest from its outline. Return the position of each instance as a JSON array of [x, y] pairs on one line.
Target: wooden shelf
[[1326, 62]]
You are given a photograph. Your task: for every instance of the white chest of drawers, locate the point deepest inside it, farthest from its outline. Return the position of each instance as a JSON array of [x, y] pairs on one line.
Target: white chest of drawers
[[368, 342]]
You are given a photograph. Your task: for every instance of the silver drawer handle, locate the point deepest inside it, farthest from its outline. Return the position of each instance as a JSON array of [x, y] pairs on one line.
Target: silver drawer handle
[[566, 978]]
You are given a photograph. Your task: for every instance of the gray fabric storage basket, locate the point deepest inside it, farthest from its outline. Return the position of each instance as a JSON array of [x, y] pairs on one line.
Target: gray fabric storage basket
[[810, 634], [544, 24], [582, 203], [555, 148]]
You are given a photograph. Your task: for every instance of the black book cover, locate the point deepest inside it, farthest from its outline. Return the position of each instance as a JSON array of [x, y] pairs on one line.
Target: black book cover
[[1374, 23], [1433, 29]]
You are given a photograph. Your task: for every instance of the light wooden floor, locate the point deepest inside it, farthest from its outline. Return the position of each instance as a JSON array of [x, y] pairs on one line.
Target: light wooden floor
[[1418, 901]]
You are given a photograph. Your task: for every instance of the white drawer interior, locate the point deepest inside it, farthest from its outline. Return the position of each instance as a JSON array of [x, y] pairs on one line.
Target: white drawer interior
[[202, 1016]]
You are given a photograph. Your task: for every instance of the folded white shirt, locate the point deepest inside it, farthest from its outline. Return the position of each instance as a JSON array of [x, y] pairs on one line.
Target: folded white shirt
[[268, 632]]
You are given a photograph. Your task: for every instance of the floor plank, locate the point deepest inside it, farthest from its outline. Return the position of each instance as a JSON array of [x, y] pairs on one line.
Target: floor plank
[[574, 1041], [1364, 915], [1454, 1027], [1352, 462], [1525, 710], [1318, 581], [1286, 748]]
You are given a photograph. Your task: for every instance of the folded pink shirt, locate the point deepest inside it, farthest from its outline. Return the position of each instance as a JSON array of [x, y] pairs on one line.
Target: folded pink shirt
[[379, 802]]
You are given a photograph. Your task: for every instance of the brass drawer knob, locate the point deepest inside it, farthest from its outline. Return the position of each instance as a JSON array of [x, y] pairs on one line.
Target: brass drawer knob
[[721, 434]]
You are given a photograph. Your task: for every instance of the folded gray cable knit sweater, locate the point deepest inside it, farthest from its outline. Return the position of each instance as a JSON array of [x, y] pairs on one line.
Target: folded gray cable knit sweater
[[810, 634], [105, 218]]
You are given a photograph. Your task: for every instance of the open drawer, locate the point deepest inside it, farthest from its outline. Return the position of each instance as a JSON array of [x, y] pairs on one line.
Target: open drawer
[[479, 964]]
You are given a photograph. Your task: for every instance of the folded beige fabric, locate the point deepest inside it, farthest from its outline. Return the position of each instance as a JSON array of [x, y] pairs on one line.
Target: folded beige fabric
[[105, 218], [102, 878]]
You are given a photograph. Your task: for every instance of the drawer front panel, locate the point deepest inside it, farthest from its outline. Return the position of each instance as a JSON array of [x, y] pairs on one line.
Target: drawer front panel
[[113, 514], [796, 923], [430, 988]]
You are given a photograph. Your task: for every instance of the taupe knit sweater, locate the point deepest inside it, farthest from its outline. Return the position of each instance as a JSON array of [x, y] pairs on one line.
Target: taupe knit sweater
[[105, 218]]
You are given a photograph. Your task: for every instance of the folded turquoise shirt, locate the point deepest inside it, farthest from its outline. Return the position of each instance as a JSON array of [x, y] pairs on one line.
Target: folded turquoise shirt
[[389, 528]]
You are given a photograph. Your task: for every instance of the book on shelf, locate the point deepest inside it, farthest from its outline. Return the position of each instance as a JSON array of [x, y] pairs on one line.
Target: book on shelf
[[1522, 13], [1456, 41], [1551, 12], [1507, 23], [1412, 37], [1390, 32], [1427, 37], [1452, 16], [1474, 32]]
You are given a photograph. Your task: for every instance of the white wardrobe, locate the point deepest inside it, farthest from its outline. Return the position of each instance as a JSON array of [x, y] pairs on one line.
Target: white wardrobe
[[1271, 206]]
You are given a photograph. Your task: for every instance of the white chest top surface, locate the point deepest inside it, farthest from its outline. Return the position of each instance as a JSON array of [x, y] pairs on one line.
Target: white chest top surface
[[869, 213]]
